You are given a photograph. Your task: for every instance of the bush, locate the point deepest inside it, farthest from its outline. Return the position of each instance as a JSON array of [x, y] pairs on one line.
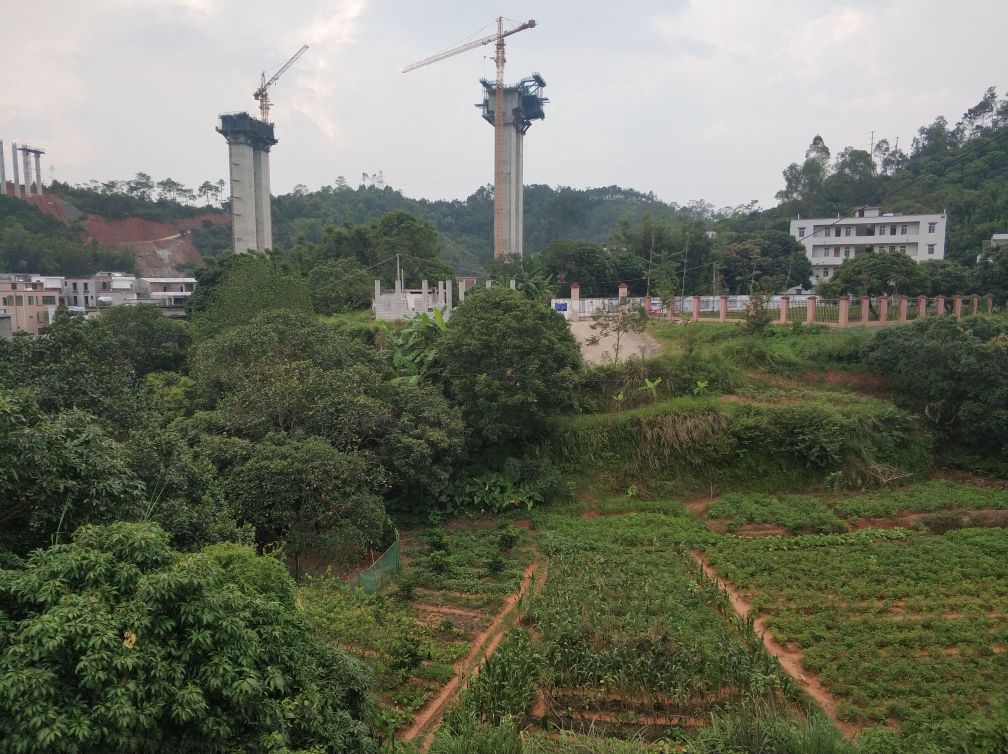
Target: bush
[[115, 642]]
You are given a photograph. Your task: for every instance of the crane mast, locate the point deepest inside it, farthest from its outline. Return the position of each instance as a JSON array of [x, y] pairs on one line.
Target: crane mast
[[262, 94], [499, 59]]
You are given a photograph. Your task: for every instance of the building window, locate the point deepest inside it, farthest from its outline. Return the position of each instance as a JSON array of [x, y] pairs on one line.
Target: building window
[[892, 230], [13, 286], [8, 301], [75, 286], [48, 301], [846, 252], [931, 227], [892, 249], [104, 286], [836, 251], [801, 232], [902, 248], [836, 232], [18, 301], [931, 248], [31, 301], [829, 271], [903, 229], [75, 301], [846, 231], [85, 286]]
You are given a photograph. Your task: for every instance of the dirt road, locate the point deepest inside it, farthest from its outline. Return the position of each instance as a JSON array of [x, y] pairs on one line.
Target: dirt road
[[631, 344]]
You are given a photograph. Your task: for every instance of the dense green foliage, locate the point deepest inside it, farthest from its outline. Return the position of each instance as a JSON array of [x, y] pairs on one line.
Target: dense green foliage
[[140, 196], [31, 241], [956, 373], [509, 363], [215, 653]]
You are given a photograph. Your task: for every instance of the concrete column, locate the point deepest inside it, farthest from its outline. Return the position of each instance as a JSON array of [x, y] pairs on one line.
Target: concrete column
[[957, 306], [722, 308], [647, 304], [622, 292], [424, 298], [263, 201], [514, 187], [903, 302], [17, 179], [939, 305], [377, 290], [26, 158], [785, 303], [990, 303], [38, 174], [243, 204], [488, 282], [461, 289], [448, 295], [3, 171], [974, 304], [696, 309], [810, 304], [921, 307], [513, 285], [575, 302], [844, 304], [398, 289], [865, 308], [883, 309], [442, 297]]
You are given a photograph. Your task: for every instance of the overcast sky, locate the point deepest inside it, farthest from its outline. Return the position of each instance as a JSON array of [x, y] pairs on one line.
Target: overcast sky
[[687, 99]]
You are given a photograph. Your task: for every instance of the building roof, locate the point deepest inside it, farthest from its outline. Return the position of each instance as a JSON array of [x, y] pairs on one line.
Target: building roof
[[169, 280]]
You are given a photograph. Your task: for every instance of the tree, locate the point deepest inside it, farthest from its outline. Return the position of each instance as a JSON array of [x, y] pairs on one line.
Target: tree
[[58, 471], [248, 289], [115, 642], [943, 276], [618, 320], [312, 497], [873, 274], [141, 186], [510, 363], [340, 286], [143, 338], [956, 371]]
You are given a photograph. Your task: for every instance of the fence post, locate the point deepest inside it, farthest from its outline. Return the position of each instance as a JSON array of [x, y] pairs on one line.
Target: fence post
[[844, 304], [696, 309], [974, 303], [810, 304], [883, 308], [424, 300], [957, 306], [647, 305], [990, 303], [865, 309], [939, 305], [903, 302], [785, 303], [575, 301], [622, 292], [921, 307], [723, 308]]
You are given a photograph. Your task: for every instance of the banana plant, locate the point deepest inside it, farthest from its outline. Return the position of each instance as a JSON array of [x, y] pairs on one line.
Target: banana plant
[[650, 386]]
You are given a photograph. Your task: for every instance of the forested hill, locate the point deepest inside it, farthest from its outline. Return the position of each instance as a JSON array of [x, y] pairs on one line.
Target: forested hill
[[961, 168], [467, 225]]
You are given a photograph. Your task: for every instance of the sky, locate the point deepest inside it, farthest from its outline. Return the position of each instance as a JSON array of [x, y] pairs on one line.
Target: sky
[[691, 100]]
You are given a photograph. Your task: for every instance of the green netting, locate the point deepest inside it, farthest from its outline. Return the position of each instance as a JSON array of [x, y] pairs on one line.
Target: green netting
[[381, 571]]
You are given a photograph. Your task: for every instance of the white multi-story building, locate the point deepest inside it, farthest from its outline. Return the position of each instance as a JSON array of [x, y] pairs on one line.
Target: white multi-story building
[[829, 241]]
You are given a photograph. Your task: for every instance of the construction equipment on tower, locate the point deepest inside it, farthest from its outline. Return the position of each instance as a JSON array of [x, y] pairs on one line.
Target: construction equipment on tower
[[498, 39], [262, 95]]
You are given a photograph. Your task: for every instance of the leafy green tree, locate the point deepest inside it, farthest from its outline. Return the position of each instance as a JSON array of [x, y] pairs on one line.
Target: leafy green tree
[[249, 289], [312, 497], [598, 269], [117, 643], [58, 471], [340, 286], [991, 273], [956, 372], [769, 262], [510, 363], [874, 274], [143, 338], [943, 276]]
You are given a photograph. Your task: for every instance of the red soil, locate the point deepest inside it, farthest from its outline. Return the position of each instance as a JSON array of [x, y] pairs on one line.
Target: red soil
[[788, 657]]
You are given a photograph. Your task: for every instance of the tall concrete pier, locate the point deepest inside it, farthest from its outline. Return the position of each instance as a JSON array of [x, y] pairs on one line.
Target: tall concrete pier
[[523, 103], [249, 141], [17, 177], [3, 171]]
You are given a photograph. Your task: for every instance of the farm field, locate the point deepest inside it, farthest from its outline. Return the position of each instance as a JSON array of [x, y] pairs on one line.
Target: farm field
[[418, 634]]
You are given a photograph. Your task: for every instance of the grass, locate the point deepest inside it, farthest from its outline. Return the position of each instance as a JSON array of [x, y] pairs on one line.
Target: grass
[[935, 495]]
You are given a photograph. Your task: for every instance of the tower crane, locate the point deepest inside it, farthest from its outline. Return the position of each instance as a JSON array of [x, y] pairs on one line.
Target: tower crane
[[498, 39], [262, 95]]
